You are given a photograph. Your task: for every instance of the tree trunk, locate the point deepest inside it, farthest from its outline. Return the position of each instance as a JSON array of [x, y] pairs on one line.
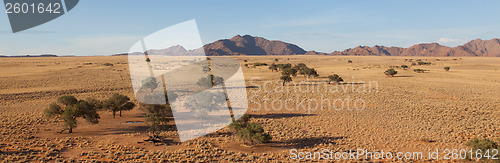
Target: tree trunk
[[120, 113], [70, 129], [283, 83], [114, 114]]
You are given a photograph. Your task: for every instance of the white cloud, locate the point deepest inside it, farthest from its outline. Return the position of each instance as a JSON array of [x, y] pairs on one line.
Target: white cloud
[[450, 41]]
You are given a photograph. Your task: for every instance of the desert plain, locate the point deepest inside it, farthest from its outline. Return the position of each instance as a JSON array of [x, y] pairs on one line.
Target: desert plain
[[410, 112]]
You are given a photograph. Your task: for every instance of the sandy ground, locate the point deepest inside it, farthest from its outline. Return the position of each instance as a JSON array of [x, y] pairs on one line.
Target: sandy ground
[[367, 111]]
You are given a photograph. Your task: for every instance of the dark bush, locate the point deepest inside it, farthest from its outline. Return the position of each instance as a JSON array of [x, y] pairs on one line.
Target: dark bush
[[420, 70], [423, 63], [249, 133], [390, 72], [483, 146], [289, 71], [260, 64], [335, 78]]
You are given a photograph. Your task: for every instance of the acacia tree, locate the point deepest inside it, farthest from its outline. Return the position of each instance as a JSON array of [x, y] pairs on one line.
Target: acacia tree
[[118, 103], [309, 72], [157, 118], [335, 78], [289, 71], [204, 102], [210, 81], [286, 78], [283, 66], [273, 67], [72, 109], [249, 133]]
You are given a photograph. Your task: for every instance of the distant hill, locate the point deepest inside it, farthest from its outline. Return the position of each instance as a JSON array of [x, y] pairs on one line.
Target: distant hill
[[249, 45], [17, 56], [476, 48]]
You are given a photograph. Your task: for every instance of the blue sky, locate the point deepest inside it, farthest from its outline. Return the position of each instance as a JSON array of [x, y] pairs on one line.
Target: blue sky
[[103, 27]]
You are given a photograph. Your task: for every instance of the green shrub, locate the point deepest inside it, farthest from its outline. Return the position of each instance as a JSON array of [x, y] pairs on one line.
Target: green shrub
[[335, 78], [108, 64], [289, 71], [349, 61], [283, 66], [118, 103], [285, 78], [404, 67], [249, 133], [423, 63], [260, 64], [300, 66], [210, 81], [309, 72], [420, 70], [273, 67], [483, 146], [390, 72], [446, 68], [72, 108]]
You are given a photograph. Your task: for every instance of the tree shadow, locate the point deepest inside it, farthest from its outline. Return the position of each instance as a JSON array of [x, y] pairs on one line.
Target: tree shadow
[[281, 115], [352, 83], [305, 142]]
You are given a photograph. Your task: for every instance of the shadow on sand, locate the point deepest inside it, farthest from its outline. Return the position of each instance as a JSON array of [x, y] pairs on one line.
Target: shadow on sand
[[305, 142], [281, 115]]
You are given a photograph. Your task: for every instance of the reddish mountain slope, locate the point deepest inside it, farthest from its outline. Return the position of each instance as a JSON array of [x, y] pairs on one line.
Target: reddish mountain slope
[[249, 45]]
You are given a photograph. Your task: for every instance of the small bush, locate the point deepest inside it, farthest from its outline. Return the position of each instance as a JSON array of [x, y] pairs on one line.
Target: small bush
[[420, 70], [283, 66], [404, 67], [285, 79], [289, 71], [108, 64], [349, 61], [249, 133], [210, 81], [245, 60], [483, 145], [309, 72], [335, 78], [390, 72], [423, 63], [446, 68], [276, 60], [260, 64], [273, 67]]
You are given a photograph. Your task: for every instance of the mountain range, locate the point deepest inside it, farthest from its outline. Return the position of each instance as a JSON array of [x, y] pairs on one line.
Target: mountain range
[[250, 45]]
